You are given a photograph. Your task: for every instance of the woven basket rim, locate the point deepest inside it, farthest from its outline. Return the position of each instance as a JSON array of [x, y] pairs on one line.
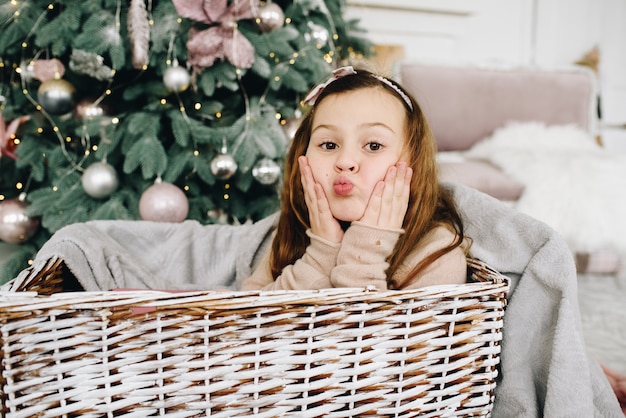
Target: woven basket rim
[[491, 282]]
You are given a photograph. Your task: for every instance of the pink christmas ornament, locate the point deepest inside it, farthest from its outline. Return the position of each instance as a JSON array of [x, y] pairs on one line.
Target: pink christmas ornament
[[271, 17], [15, 226], [163, 202], [44, 70]]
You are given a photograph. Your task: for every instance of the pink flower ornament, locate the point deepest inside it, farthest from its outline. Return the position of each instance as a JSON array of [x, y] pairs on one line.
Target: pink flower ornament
[[221, 40]]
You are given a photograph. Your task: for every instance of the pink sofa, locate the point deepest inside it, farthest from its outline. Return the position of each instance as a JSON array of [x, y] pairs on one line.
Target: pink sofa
[[465, 104]]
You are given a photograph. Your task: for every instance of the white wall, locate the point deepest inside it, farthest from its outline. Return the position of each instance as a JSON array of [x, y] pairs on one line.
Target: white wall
[[447, 30], [546, 33]]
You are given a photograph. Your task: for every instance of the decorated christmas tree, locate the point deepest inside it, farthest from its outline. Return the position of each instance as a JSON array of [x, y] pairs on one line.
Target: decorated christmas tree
[[160, 110]]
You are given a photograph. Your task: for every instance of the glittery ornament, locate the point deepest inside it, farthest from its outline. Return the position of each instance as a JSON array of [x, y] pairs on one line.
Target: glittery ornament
[[223, 166], [270, 17], [266, 171], [90, 64], [163, 202], [100, 180], [176, 78], [15, 226], [56, 96]]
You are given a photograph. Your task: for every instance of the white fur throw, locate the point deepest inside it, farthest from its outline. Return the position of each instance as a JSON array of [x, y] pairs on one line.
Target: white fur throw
[[572, 184]]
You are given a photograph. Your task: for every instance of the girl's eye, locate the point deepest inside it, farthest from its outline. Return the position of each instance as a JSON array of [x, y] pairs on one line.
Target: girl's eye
[[328, 145], [374, 146]]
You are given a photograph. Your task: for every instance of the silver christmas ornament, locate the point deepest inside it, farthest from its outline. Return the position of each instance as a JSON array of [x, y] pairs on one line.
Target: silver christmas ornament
[[223, 166], [15, 226], [270, 17], [318, 34], [176, 78], [163, 202], [56, 96], [87, 110], [266, 171], [291, 126], [100, 180]]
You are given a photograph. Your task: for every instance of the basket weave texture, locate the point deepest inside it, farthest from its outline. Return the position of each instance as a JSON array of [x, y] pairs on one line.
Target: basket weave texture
[[428, 352]]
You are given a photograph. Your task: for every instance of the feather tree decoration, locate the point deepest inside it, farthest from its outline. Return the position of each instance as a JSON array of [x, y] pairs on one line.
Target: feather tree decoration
[[139, 33]]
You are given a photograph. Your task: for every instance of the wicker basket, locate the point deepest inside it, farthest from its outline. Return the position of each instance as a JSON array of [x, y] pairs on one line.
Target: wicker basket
[[430, 352]]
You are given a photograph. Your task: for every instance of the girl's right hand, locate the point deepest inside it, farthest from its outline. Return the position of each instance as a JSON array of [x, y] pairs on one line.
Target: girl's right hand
[[323, 223]]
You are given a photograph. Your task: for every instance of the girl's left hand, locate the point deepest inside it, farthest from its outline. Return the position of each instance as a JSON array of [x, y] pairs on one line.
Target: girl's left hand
[[389, 201]]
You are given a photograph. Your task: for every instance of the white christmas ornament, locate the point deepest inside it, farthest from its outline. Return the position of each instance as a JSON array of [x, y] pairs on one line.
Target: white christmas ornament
[[176, 78], [100, 180], [163, 202], [266, 171]]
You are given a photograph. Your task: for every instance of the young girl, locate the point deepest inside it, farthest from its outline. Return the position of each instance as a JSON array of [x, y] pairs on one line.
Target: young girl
[[361, 204]]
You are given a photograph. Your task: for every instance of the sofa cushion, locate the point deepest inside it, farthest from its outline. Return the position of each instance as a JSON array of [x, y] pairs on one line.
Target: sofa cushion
[[464, 104], [483, 176]]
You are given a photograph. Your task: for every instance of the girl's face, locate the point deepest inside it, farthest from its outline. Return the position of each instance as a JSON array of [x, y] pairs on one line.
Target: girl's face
[[355, 137]]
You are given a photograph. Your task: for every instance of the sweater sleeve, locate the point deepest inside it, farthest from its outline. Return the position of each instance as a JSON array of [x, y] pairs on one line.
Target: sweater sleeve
[[362, 258], [311, 271], [450, 268]]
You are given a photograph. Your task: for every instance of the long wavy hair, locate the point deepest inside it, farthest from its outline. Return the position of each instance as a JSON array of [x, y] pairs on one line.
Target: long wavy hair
[[429, 204]]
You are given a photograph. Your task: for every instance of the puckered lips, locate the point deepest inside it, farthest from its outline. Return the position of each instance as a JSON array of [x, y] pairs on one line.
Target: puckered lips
[[342, 186]]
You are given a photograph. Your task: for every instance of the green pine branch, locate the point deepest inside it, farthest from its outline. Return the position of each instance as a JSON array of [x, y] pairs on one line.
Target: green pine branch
[[146, 130]]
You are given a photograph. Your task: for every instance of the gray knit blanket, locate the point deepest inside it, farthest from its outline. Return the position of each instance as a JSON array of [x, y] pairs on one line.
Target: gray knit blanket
[[545, 371]]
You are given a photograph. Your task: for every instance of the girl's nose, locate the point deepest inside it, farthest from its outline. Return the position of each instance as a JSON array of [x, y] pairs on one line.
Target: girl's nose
[[346, 161]]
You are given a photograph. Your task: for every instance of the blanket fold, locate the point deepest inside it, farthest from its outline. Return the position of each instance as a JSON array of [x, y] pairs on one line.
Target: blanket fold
[[106, 255], [545, 370]]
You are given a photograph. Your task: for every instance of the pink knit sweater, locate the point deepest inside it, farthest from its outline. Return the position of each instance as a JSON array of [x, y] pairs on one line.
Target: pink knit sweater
[[360, 260]]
